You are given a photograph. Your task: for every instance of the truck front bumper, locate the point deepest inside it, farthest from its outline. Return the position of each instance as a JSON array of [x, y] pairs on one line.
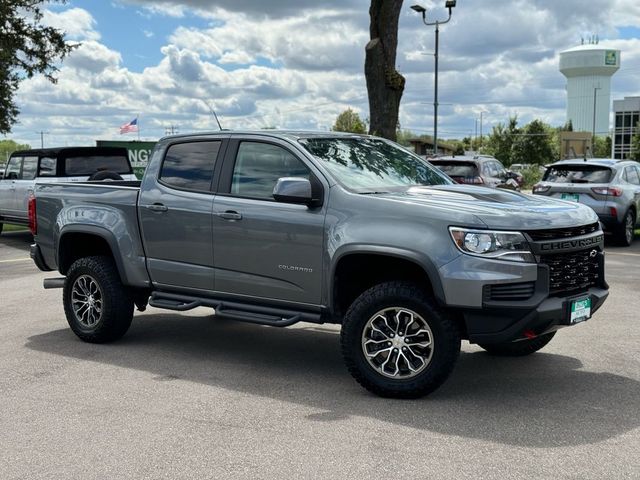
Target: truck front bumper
[[506, 301], [508, 323]]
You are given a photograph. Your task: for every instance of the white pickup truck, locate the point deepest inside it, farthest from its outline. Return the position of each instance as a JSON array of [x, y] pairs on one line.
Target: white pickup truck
[[55, 165]]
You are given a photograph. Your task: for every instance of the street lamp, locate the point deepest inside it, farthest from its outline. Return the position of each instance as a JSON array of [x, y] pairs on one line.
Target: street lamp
[[595, 106], [449, 4]]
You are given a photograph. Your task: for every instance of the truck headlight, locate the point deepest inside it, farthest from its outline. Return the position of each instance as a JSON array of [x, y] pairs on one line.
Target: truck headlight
[[511, 246]]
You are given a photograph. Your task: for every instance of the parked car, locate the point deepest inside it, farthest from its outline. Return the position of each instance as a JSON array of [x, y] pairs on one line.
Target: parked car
[[274, 228], [478, 170], [55, 165], [610, 187]]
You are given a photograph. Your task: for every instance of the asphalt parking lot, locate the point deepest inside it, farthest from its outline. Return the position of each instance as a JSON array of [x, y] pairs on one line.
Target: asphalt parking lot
[[193, 396]]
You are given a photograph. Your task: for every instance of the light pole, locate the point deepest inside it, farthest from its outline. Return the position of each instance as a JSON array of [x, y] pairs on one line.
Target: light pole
[[449, 4], [595, 106], [481, 120]]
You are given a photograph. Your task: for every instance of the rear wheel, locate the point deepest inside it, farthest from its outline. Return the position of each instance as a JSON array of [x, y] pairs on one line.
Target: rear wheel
[[626, 230], [98, 307], [520, 348], [396, 343]]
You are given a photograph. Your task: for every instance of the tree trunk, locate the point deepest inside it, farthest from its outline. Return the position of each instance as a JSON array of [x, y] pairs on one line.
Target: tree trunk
[[385, 84]]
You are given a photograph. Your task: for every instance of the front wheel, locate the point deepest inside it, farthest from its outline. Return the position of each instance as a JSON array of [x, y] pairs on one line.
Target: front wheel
[[520, 348], [98, 307], [397, 343]]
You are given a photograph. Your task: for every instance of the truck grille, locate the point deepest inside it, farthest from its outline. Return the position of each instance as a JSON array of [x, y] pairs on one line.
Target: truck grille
[[509, 292], [572, 272], [559, 233]]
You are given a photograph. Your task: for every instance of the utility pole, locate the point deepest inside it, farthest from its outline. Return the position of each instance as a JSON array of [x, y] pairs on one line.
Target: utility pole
[[449, 4], [171, 130], [42, 134]]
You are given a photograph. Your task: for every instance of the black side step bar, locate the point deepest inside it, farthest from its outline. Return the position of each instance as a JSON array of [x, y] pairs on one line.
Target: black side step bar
[[51, 283], [275, 317]]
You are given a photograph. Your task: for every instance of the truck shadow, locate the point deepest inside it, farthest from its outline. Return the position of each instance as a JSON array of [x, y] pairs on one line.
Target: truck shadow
[[541, 401], [21, 239]]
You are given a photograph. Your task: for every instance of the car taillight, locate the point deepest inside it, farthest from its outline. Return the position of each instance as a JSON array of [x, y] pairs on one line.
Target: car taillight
[[612, 191], [541, 188], [33, 220]]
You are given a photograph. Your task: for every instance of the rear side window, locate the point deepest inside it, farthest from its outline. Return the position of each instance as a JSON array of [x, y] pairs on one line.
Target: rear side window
[[457, 169], [88, 165], [29, 168], [577, 174], [48, 167], [190, 165]]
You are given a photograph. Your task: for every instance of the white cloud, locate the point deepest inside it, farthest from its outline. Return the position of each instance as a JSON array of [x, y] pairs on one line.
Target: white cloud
[[77, 23], [294, 66]]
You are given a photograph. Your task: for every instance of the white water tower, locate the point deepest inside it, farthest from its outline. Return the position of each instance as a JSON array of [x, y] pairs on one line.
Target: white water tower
[[589, 68]]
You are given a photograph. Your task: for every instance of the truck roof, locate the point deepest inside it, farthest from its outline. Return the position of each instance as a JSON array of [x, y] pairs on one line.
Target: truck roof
[[288, 134], [72, 151]]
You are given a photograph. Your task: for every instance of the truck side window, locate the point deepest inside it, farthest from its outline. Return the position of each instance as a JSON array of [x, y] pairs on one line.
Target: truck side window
[[190, 165], [259, 166], [14, 169], [29, 168], [48, 167]]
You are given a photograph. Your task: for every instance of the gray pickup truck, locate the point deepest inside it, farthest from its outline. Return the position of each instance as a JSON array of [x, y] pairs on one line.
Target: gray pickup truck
[[276, 228]]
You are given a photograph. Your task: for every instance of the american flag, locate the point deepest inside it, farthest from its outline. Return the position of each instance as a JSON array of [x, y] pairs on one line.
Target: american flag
[[132, 126]]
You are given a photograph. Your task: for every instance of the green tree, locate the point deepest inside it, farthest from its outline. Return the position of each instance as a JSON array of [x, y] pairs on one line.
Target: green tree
[[7, 147], [534, 145], [27, 48], [349, 121], [501, 140], [602, 147], [635, 144]]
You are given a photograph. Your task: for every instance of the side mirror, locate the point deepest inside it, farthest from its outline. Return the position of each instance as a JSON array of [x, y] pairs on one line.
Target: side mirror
[[294, 190]]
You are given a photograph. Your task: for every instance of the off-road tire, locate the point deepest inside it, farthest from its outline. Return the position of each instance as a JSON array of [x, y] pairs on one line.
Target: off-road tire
[[445, 333], [621, 235], [519, 349], [116, 299]]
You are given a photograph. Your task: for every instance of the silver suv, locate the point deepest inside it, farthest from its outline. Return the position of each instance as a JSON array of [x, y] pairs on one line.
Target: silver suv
[[610, 187]]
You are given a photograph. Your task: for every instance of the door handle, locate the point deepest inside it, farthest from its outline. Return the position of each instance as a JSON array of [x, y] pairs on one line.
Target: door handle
[[157, 207], [230, 215]]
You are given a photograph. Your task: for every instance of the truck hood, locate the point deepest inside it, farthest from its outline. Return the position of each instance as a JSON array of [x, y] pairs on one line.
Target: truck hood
[[500, 209]]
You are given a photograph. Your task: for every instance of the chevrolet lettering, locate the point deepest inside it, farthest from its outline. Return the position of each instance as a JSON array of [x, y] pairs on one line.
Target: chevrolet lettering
[[572, 244]]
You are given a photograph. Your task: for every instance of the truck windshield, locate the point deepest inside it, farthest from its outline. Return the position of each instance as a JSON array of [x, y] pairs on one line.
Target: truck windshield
[[88, 165], [372, 165], [577, 174]]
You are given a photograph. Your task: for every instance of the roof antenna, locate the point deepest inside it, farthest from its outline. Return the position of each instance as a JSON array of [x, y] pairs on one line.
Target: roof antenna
[[214, 114]]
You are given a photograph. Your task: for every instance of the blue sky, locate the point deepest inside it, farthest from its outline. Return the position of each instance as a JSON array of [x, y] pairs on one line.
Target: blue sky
[[298, 65]]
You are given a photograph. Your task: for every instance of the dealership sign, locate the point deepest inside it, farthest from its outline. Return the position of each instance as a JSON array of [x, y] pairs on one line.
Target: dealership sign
[[139, 152]]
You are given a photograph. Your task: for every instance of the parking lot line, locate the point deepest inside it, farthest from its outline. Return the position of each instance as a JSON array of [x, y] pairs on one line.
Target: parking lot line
[[625, 254], [15, 260]]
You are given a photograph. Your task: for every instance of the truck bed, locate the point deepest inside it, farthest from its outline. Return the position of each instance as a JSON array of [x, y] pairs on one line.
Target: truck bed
[[106, 209]]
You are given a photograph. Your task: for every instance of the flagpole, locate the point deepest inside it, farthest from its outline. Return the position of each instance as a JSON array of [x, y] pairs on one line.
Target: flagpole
[[138, 122]]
